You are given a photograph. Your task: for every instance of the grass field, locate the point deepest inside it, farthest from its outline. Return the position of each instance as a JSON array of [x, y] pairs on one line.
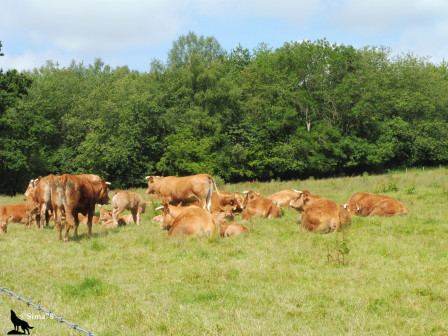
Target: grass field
[[278, 280]]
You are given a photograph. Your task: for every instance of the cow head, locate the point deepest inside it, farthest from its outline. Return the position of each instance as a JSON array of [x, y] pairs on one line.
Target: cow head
[[103, 193], [352, 209], [151, 184], [167, 218], [239, 202], [105, 214], [31, 187], [250, 195], [299, 203]]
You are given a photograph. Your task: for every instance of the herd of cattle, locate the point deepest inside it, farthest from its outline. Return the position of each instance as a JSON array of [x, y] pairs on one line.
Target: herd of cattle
[[190, 206]]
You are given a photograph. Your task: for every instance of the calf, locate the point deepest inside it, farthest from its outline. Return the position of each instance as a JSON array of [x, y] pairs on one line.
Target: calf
[[320, 214], [367, 204], [282, 198], [107, 220], [256, 206], [16, 212], [232, 229], [32, 209], [221, 200], [128, 200]]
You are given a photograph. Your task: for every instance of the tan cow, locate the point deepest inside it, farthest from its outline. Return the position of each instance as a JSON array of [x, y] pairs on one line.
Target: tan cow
[[78, 195], [232, 229], [32, 209], [84, 219], [282, 198], [320, 214], [15, 212], [221, 200], [43, 196], [174, 190], [256, 206], [189, 220], [128, 200], [239, 203], [367, 204], [107, 219]]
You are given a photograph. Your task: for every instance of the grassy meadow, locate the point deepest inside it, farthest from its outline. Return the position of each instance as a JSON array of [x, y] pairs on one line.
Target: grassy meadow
[[380, 276]]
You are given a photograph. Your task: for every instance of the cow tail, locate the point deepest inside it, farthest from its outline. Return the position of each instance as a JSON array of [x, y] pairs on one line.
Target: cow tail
[[210, 194]]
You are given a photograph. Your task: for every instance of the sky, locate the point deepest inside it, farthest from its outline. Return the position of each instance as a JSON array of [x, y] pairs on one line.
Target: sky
[[135, 32]]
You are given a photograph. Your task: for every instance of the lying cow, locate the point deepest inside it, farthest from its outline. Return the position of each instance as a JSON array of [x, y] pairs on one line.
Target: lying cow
[[367, 204], [107, 219], [16, 212], [174, 190], [190, 221], [128, 200], [83, 219], [232, 229], [256, 206], [282, 198], [320, 214]]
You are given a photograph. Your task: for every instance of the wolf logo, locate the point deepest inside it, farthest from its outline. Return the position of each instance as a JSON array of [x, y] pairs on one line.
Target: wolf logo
[[20, 323]]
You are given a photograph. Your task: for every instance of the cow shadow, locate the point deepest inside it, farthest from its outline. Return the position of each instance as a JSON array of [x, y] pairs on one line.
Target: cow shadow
[[15, 332]]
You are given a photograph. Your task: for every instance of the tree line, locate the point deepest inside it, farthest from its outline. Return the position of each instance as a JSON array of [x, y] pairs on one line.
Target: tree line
[[308, 108]]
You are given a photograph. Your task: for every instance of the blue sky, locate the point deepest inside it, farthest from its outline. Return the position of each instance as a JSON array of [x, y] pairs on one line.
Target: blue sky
[[134, 32]]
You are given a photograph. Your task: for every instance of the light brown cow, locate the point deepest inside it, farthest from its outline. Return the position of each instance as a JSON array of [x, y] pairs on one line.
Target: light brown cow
[[232, 229], [43, 196], [367, 204], [16, 212], [84, 219], [128, 200], [239, 203], [78, 195], [189, 220], [282, 198], [32, 209], [174, 190], [221, 200], [320, 214], [225, 213], [256, 206], [107, 219]]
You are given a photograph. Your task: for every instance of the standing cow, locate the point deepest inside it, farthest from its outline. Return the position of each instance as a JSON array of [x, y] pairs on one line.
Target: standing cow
[[174, 190], [128, 200], [78, 195]]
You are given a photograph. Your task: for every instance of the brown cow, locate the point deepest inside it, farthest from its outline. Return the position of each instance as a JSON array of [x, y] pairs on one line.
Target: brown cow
[[224, 213], [189, 220], [78, 195], [239, 203], [320, 214], [173, 190], [232, 229], [128, 200], [221, 200], [367, 204], [256, 206], [282, 198], [16, 212]]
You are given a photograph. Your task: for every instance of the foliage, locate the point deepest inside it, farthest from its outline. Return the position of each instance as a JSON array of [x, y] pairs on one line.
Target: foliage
[[304, 109]]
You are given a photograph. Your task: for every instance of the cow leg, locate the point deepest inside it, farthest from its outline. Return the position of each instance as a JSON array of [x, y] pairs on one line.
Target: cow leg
[[115, 213], [69, 219], [136, 216], [89, 221], [43, 213], [75, 232]]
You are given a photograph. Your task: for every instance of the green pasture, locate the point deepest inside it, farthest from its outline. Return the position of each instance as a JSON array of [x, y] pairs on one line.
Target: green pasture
[[380, 276]]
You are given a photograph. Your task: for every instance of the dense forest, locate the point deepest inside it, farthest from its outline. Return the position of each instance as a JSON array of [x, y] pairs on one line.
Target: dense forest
[[304, 109]]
